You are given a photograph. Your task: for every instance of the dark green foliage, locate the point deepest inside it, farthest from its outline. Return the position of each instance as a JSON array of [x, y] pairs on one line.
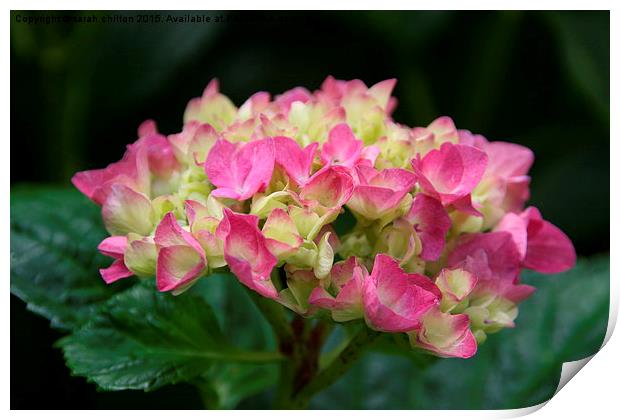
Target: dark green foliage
[[54, 257], [143, 339]]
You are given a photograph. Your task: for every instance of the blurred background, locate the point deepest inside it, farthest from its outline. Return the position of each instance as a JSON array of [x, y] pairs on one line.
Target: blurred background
[[79, 92]]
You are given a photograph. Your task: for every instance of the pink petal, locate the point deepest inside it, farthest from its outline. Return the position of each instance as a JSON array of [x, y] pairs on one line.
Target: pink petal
[[225, 192], [126, 210], [162, 161], [508, 159], [508, 164], [394, 178], [256, 104], [363, 174], [542, 246], [320, 298], [341, 147], [456, 284], [369, 154], [297, 162], [451, 172], [464, 348], [279, 249], [494, 259], [444, 130], [517, 193], [169, 233], [178, 265], [476, 140], [151, 154], [192, 144], [549, 250], [518, 292], [374, 202], [381, 192], [465, 205], [334, 90], [382, 92], [146, 128], [240, 170], [113, 246], [333, 240], [432, 223], [90, 182], [213, 88], [115, 272], [195, 210], [447, 335], [282, 237], [285, 100], [395, 301], [247, 255], [347, 305], [223, 228], [219, 164], [331, 187], [131, 170], [342, 272], [498, 247], [517, 227]]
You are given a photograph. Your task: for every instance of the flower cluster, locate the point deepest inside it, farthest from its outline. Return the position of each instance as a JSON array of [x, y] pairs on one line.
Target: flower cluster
[[440, 237]]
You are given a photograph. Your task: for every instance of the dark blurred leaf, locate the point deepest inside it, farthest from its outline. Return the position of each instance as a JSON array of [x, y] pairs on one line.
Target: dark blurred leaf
[[233, 383], [143, 339], [583, 39], [54, 257], [484, 73], [415, 30], [565, 320], [563, 180], [141, 59]]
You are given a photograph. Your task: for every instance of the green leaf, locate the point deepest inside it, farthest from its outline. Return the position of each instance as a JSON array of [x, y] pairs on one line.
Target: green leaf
[[54, 258], [144, 339], [565, 320], [242, 323], [233, 383], [245, 327]]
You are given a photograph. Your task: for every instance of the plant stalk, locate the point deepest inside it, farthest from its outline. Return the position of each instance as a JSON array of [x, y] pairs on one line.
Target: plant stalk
[[338, 367], [300, 344]]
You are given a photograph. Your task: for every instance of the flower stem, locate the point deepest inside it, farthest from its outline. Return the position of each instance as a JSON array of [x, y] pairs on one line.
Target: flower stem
[[338, 367], [300, 344], [291, 367]]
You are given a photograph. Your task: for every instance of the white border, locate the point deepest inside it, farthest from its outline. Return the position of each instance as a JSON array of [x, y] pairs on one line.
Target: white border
[[594, 394]]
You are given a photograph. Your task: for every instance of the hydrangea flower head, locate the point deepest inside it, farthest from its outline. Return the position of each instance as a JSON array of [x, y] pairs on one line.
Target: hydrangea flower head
[[441, 230]]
